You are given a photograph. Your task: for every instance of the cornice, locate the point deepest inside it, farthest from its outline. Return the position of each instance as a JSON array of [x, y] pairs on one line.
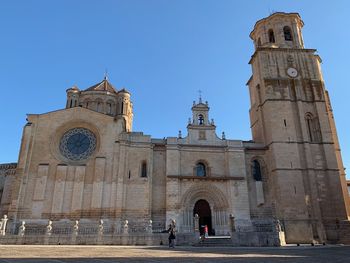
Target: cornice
[[311, 50]]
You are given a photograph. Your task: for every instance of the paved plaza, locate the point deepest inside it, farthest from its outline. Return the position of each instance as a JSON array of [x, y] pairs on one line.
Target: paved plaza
[[59, 254]]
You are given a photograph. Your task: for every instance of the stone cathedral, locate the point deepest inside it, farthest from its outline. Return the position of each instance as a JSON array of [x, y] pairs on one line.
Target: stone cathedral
[[84, 162]]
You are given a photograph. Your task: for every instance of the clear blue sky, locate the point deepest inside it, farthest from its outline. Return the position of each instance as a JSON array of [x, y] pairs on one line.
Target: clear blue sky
[[163, 51]]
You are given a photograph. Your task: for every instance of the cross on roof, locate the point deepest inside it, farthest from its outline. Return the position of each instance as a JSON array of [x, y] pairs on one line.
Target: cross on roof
[[200, 96]]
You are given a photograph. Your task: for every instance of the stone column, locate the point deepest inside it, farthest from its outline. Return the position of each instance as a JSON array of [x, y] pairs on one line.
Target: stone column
[[196, 227]]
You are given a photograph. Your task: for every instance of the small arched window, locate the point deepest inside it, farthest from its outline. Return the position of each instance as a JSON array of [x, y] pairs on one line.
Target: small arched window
[[259, 93], [200, 119], [122, 108], [109, 108], [308, 119], [99, 106], [287, 33], [271, 36], [144, 169], [313, 127], [201, 169], [256, 171]]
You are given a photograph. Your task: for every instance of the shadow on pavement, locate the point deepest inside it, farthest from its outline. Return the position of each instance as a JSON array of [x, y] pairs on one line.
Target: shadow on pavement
[[202, 254]]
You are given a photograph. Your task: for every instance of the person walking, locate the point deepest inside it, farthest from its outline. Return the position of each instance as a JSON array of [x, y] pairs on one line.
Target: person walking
[[171, 231]]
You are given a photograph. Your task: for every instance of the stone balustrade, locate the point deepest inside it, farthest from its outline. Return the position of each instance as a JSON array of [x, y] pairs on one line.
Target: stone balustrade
[[84, 232]]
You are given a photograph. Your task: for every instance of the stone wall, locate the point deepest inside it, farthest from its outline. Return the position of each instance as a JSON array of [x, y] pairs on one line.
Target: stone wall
[[7, 176]]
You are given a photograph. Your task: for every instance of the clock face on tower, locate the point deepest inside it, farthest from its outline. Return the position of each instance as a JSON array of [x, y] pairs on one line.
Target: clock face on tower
[[292, 72], [77, 144]]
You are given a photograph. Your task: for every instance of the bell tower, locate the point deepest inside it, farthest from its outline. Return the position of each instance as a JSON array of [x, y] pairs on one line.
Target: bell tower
[[200, 113], [291, 115], [200, 129]]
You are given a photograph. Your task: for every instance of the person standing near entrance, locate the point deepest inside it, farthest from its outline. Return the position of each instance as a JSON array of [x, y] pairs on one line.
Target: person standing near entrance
[[205, 231]]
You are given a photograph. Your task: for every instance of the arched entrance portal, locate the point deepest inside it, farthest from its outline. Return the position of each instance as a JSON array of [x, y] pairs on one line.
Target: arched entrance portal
[[202, 208]]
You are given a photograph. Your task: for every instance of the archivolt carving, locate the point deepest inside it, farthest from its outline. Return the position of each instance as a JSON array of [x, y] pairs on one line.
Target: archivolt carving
[[210, 193]]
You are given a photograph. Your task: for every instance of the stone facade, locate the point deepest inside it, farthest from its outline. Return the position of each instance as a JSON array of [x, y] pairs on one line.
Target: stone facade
[[85, 163], [7, 176]]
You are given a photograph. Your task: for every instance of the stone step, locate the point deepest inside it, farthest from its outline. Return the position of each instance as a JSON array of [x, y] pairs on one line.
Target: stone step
[[224, 241]]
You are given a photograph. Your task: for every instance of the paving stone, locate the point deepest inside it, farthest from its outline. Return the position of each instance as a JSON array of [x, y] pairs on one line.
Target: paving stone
[[105, 254]]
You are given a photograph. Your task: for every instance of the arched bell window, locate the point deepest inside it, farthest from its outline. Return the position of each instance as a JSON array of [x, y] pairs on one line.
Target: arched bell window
[[200, 119], [122, 108], [271, 36], [287, 33], [309, 126], [256, 170], [144, 169], [313, 127], [201, 169]]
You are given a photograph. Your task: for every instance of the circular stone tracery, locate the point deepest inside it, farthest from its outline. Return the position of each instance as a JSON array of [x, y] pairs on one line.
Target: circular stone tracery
[[77, 144]]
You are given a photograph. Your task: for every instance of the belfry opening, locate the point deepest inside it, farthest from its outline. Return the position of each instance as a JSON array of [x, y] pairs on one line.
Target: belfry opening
[[202, 209]]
